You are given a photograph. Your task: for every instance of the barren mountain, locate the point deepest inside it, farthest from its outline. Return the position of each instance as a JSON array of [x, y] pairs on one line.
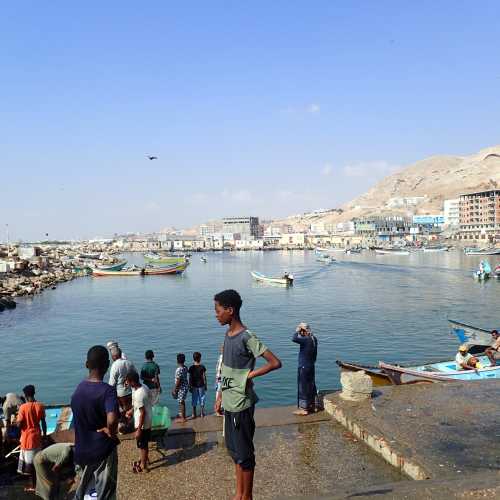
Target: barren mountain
[[422, 187]]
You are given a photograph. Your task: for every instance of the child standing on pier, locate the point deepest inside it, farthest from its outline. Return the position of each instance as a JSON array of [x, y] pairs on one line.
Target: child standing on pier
[[181, 387], [198, 384], [241, 348]]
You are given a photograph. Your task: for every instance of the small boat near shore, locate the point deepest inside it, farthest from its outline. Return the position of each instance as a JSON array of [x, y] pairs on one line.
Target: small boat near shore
[[286, 279], [433, 249], [117, 266], [482, 251], [144, 271], [445, 371], [155, 258], [475, 337], [391, 251], [325, 259]]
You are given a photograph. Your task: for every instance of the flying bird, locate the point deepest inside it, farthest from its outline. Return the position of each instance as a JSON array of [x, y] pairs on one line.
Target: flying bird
[[152, 157]]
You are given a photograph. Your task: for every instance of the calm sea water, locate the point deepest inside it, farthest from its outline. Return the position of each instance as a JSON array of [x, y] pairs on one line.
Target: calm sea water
[[364, 308]]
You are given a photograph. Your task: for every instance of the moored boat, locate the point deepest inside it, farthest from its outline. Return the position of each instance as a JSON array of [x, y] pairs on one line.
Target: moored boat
[[144, 271], [437, 248], [391, 251], [326, 259], [482, 251], [116, 266], [155, 258], [378, 376], [286, 279], [474, 336], [444, 371]]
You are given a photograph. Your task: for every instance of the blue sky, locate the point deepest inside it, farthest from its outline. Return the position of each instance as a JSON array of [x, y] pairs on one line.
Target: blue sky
[[265, 108]]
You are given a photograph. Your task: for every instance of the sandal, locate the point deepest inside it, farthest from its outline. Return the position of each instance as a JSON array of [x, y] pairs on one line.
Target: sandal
[[136, 467]]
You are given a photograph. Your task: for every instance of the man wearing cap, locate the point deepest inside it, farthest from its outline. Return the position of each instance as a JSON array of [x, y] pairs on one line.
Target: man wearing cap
[[493, 352], [465, 360]]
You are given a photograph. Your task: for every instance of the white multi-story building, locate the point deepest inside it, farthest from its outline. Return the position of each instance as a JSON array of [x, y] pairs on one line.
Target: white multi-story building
[[451, 212]]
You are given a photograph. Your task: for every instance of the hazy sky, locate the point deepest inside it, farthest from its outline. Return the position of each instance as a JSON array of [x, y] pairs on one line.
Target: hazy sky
[[260, 108]]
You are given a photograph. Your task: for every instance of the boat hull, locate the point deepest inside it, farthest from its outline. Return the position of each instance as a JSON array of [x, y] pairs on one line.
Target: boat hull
[[440, 372], [268, 279], [391, 252]]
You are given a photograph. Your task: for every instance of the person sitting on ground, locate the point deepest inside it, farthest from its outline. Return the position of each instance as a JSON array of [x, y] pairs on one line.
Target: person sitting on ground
[[465, 360], [181, 387], [117, 375], [493, 352], [95, 419], [29, 419], [54, 465], [198, 384], [142, 412], [150, 375]]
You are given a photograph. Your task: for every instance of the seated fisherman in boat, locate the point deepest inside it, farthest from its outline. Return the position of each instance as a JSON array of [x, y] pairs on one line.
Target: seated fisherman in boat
[[465, 360], [493, 352]]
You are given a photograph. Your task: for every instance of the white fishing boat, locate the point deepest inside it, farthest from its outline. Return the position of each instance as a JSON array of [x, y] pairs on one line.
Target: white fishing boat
[[286, 279], [482, 251], [432, 249], [391, 251]]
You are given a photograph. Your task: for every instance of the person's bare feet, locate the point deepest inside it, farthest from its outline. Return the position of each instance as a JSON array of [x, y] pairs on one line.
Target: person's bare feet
[[301, 413]]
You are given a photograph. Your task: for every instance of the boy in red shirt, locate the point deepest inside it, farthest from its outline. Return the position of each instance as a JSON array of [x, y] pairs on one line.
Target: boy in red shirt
[[31, 415]]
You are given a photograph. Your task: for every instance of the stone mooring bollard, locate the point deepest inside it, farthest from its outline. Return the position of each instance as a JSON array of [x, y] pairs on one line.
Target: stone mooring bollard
[[356, 386]]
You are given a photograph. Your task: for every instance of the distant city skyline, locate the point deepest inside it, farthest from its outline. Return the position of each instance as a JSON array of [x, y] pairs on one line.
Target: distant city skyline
[[257, 109]]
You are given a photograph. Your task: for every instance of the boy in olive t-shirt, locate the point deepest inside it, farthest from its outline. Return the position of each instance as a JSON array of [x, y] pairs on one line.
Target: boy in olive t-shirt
[[241, 348]]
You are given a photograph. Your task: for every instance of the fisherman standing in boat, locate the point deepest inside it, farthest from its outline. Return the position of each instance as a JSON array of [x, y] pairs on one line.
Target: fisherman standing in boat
[[306, 380]]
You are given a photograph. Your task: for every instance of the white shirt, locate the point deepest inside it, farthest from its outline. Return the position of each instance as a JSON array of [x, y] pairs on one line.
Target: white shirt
[[117, 375], [462, 360], [142, 399]]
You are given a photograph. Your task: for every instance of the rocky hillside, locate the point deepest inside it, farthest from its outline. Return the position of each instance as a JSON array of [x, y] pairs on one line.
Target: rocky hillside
[[422, 187]]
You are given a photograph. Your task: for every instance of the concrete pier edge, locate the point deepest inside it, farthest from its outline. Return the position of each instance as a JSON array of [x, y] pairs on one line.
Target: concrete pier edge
[[375, 441]]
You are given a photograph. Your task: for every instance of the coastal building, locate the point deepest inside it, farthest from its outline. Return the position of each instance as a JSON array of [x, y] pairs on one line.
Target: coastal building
[[480, 216], [293, 240], [451, 209], [428, 220], [407, 202], [382, 228], [247, 227]]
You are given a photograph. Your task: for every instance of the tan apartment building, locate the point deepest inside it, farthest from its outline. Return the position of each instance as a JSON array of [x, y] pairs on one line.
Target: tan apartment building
[[480, 216]]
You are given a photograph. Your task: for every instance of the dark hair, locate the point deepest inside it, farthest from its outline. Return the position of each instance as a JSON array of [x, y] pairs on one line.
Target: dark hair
[[149, 354], [98, 358], [133, 376], [181, 358], [230, 298], [29, 391], [494, 332], [197, 356]]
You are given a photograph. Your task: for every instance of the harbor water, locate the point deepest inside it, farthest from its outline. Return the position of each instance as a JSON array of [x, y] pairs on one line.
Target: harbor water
[[362, 308]]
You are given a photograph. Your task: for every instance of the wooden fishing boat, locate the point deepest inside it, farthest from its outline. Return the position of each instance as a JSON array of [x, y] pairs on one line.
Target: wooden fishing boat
[[431, 249], [155, 258], [471, 335], [123, 272], [391, 251], [378, 376], [174, 269], [117, 266], [482, 251], [285, 280], [326, 259], [144, 271], [444, 371]]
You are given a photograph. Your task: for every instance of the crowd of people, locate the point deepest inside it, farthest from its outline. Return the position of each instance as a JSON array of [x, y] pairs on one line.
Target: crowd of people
[[103, 410]]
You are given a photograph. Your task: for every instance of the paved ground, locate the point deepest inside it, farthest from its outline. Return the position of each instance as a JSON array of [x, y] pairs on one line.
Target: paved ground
[[304, 459], [444, 430]]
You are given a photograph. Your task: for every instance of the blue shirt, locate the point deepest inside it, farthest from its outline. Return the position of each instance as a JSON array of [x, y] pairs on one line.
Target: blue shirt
[[308, 349], [90, 404]]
